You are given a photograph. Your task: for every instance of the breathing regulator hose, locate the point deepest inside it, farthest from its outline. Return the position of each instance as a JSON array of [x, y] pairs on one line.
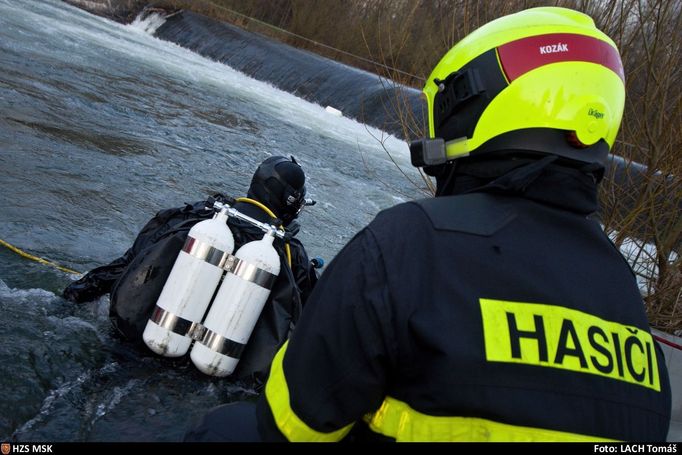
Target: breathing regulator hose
[[270, 213]]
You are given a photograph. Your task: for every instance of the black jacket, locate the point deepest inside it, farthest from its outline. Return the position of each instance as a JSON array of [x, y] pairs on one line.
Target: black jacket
[[501, 314], [135, 281]]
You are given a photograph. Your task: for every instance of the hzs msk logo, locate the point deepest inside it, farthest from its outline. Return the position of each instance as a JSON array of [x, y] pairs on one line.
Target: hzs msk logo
[[6, 448]]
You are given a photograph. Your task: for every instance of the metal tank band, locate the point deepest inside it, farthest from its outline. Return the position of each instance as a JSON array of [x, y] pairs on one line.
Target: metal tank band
[[249, 272], [218, 343], [173, 322], [205, 252]]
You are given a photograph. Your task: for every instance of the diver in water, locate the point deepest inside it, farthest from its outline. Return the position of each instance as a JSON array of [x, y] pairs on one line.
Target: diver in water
[[135, 280]]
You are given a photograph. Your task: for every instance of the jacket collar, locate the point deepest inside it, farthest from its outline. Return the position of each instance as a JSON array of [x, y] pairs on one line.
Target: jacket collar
[[542, 181]]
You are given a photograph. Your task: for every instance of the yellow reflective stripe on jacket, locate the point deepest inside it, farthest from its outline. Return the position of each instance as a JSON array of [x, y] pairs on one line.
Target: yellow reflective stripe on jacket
[[398, 420], [291, 426]]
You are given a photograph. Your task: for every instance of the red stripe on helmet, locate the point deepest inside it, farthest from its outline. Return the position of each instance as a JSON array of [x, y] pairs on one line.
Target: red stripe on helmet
[[524, 55]]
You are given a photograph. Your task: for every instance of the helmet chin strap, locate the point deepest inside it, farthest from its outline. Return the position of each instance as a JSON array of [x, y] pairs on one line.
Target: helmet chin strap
[[503, 172], [519, 179], [444, 183]]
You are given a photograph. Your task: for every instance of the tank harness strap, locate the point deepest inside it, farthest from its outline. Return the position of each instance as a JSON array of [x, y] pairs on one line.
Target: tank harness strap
[[232, 264], [249, 272], [205, 252], [218, 343], [173, 322]]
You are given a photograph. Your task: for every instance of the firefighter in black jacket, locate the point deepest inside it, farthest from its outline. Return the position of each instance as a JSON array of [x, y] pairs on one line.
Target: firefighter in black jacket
[[499, 310], [136, 279]]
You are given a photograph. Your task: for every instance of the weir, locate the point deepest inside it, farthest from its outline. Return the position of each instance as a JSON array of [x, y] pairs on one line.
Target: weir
[[358, 94]]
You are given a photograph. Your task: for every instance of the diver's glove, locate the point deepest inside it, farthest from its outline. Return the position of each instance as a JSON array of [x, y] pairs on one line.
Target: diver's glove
[[83, 290]]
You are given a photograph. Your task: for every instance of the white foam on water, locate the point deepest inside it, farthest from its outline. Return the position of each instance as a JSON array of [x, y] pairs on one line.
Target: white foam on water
[[148, 25], [25, 295], [135, 42]]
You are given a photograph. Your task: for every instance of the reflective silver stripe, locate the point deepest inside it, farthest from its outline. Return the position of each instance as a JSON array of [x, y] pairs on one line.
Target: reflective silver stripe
[[173, 322], [205, 252], [218, 343], [250, 272]]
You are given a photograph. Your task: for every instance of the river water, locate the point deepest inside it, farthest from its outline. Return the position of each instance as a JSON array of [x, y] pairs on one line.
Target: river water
[[101, 126]]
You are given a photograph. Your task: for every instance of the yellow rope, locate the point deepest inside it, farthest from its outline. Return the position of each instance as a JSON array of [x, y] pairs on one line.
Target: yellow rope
[[36, 258], [272, 215], [26, 255]]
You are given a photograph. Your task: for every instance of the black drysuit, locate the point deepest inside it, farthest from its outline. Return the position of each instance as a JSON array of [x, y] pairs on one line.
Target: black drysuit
[[135, 281]]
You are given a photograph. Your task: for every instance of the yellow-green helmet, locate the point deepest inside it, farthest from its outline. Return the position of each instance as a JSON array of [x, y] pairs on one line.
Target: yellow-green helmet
[[543, 80]]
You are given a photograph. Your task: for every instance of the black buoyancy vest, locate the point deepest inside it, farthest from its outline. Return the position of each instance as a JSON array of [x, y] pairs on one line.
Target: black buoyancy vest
[[525, 315], [138, 288], [135, 293]]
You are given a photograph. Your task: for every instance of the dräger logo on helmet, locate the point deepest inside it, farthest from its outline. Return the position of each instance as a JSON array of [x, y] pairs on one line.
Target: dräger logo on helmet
[[553, 48]]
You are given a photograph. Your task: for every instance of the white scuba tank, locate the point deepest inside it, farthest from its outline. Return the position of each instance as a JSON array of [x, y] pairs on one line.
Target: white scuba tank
[[236, 307], [189, 287]]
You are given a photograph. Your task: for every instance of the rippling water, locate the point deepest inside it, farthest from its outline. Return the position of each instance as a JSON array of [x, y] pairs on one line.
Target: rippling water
[[102, 125]]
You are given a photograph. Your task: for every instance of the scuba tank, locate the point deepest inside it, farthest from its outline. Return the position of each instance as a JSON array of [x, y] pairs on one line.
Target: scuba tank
[[190, 286], [236, 308]]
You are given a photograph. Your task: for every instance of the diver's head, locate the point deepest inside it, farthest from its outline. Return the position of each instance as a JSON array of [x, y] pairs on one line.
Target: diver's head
[[279, 183]]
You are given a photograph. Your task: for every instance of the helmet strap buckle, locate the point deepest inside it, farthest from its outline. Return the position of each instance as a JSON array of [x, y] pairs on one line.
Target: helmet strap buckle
[[460, 86]]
